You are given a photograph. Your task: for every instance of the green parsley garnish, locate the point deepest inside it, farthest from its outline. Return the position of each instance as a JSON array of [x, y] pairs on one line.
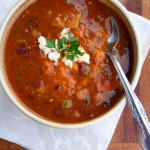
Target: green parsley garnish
[[63, 40], [61, 43], [73, 51], [50, 43], [66, 47], [73, 39]]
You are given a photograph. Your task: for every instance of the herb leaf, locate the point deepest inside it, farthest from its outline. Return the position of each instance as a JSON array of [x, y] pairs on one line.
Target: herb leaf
[[60, 46], [72, 49], [70, 35], [70, 57], [76, 39], [50, 43], [68, 49], [63, 40]]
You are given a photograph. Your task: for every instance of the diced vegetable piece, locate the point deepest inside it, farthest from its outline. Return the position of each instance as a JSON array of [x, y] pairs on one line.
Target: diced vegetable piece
[[68, 20], [83, 94], [49, 68], [39, 87], [84, 69], [77, 114], [66, 103], [98, 99], [51, 100], [21, 41], [88, 71], [36, 33]]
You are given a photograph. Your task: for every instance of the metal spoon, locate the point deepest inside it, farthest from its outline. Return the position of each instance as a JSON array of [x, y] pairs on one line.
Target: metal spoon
[[136, 107]]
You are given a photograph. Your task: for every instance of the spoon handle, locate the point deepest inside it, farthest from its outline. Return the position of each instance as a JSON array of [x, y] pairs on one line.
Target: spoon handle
[[136, 107]]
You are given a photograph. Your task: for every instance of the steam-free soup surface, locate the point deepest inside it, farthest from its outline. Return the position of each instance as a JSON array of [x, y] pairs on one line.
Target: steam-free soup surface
[[58, 92]]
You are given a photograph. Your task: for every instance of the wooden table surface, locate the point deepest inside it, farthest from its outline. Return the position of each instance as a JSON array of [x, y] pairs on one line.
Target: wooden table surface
[[127, 134]]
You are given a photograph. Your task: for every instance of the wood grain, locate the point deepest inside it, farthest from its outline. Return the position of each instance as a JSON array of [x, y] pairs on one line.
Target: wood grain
[[125, 146], [127, 134]]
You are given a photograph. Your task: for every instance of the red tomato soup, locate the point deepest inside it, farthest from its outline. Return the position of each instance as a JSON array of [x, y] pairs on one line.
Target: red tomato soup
[[55, 91]]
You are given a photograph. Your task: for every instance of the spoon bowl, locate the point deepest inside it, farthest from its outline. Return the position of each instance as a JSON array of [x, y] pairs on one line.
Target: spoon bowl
[[114, 37]]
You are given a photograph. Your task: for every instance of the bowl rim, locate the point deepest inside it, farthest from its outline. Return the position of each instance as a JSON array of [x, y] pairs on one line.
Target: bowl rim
[[46, 122]]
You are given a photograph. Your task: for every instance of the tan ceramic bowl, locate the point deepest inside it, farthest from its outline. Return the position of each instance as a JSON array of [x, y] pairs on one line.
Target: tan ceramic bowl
[[114, 5]]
